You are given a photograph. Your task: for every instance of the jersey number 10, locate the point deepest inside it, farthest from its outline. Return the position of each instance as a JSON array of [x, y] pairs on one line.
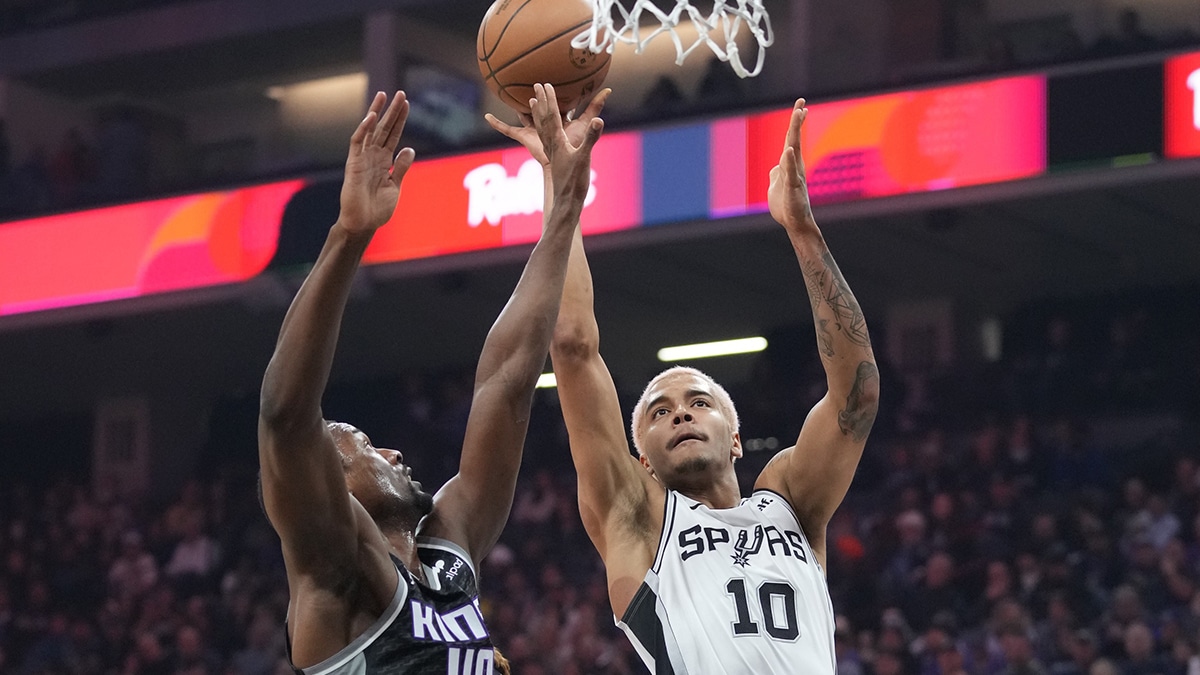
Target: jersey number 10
[[775, 598]]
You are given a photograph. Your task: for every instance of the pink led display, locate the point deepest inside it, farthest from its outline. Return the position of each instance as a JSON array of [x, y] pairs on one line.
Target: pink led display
[[914, 141], [138, 249], [489, 199], [897, 143]]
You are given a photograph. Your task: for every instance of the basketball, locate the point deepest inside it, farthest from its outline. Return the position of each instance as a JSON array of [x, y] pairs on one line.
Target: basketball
[[526, 42]]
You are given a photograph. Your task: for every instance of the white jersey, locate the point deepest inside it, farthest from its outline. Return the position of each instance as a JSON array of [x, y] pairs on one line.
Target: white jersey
[[733, 591]]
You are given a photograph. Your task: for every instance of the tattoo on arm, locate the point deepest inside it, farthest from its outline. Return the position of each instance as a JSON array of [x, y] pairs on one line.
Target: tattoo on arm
[[824, 337], [826, 285], [858, 416]]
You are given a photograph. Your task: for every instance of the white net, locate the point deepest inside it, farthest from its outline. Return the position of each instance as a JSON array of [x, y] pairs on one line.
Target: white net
[[719, 29]]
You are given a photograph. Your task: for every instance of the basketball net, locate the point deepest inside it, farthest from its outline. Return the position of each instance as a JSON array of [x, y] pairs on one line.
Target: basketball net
[[725, 21]]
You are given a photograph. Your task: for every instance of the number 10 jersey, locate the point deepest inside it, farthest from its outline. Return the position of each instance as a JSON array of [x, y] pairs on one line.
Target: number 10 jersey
[[732, 591]]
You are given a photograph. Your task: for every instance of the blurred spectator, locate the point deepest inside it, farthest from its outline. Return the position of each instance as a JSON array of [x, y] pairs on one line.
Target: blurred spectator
[[891, 663], [1154, 523], [187, 510], [196, 555], [978, 549], [262, 648], [950, 661], [1074, 461], [1140, 658], [536, 505], [903, 570], [147, 657], [937, 592], [192, 655], [1080, 651], [849, 661], [1019, 658], [135, 571], [1026, 458]]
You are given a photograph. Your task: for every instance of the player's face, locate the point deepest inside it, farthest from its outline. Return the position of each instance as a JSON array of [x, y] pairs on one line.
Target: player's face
[[378, 477], [687, 440]]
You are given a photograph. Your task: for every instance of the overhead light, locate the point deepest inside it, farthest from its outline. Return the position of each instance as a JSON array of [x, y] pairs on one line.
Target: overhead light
[[547, 381], [706, 350]]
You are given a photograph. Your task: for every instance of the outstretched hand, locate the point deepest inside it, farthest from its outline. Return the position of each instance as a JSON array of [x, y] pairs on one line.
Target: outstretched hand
[[788, 193], [527, 134], [569, 160], [374, 170]]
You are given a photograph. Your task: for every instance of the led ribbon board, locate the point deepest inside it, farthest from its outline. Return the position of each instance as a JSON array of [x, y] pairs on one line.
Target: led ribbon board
[[139, 249], [1182, 106], [913, 141]]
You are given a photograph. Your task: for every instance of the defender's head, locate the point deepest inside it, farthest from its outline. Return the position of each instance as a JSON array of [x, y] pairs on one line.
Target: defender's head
[[378, 478], [685, 429]]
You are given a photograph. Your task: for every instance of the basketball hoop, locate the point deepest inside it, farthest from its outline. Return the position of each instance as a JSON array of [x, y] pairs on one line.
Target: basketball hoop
[[725, 21]]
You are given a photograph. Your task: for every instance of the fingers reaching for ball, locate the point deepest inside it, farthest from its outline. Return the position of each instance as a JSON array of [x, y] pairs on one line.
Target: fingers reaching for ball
[[569, 159], [527, 133], [546, 116], [575, 135]]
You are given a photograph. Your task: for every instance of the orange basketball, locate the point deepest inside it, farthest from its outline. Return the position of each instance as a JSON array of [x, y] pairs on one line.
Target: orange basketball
[[525, 42]]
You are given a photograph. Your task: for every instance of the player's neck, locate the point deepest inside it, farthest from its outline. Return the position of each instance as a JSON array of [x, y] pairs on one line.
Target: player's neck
[[721, 493], [403, 542]]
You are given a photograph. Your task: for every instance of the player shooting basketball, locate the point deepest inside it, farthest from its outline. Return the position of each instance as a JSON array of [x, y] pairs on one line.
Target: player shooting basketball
[[381, 576], [702, 580]]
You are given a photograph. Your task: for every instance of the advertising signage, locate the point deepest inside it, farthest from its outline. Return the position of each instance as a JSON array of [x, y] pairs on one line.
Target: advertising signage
[[913, 141], [918, 141], [138, 249], [905, 142]]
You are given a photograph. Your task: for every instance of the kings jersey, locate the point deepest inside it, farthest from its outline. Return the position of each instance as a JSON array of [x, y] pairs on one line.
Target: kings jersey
[[732, 591], [429, 628]]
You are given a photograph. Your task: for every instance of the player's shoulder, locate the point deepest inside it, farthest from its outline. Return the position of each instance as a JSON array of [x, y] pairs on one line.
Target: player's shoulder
[[447, 565], [771, 503], [774, 476]]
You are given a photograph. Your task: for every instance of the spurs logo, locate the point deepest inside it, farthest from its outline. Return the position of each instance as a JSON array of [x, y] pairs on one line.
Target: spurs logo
[[742, 552]]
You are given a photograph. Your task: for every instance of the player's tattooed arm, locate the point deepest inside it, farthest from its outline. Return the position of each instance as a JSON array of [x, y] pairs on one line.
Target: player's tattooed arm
[[815, 474], [856, 418], [827, 287], [842, 337]]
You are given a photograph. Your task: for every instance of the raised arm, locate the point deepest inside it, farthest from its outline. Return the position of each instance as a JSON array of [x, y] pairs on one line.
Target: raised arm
[[618, 500], [815, 474], [615, 491], [304, 489], [472, 507]]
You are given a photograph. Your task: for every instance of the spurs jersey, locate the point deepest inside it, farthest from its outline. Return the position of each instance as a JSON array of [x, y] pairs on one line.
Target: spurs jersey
[[732, 591], [429, 630]]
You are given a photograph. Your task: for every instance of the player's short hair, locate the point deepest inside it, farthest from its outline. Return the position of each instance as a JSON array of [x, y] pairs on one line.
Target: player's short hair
[[722, 396], [336, 429]]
